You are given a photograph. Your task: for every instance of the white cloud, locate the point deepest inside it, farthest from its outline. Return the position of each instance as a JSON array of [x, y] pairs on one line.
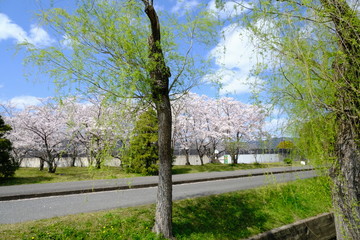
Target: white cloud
[[233, 81], [39, 37], [277, 127], [21, 102], [67, 42], [9, 29], [36, 36], [235, 55], [236, 49], [182, 5]]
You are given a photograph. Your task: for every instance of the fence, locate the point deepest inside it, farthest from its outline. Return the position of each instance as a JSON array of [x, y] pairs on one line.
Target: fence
[[179, 160]]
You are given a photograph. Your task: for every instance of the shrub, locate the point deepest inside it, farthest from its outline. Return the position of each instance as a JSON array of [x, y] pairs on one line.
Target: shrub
[[142, 154], [7, 163], [288, 161]]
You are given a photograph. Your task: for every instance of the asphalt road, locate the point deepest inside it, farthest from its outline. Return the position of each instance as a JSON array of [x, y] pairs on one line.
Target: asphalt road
[[15, 211]]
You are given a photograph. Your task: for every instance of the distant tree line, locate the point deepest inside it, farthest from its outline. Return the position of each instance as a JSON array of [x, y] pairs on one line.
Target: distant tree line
[[52, 130]]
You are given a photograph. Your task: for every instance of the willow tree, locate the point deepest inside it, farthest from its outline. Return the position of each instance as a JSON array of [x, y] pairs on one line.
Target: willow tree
[[116, 49], [314, 73]]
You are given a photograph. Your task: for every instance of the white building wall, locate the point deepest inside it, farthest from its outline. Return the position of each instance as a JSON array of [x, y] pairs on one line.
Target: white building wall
[[66, 162], [179, 160], [253, 158], [193, 159]]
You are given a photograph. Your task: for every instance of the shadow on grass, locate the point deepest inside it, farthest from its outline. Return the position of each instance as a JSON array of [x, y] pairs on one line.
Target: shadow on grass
[[216, 167], [24, 180], [221, 217], [181, 170]]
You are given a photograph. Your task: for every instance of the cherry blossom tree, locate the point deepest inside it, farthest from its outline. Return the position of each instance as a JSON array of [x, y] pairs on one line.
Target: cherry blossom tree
[[215, 125], [189, 124], [183, 134], [70, 127], [42, 131], [19, 151], [239, 123], [97, 130], [76, 144]]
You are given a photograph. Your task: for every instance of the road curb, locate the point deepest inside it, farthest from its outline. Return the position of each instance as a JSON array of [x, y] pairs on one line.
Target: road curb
[[137, 186], [320, 227]]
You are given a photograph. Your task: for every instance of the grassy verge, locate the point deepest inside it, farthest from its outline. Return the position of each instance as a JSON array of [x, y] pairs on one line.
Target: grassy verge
[[218, 167], [66, 174], [227, 216]]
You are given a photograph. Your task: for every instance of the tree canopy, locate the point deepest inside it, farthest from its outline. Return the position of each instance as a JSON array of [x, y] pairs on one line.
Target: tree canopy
[[103, 49], [122, 50], [312, 71]]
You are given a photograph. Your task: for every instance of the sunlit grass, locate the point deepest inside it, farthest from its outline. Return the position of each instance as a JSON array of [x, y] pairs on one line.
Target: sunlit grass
[[218, 167], [66, 174], [227, 216]]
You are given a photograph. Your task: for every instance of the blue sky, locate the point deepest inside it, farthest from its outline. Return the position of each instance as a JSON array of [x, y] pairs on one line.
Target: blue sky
[[234, 54], [18, 23]]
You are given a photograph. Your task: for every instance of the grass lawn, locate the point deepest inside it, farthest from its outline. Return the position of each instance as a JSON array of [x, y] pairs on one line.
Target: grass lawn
[[33, 175], [227, 216], [65, 174], [218, 167]]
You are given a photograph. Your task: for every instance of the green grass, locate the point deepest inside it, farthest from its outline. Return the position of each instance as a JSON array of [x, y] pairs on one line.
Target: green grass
[[66, 174], [227, 216], [218, 167]]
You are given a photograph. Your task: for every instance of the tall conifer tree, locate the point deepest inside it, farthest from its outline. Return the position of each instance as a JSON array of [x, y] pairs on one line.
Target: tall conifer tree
[[7, 166]]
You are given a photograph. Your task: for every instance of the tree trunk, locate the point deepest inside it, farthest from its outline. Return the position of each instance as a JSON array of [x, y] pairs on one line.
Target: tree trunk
[[73, 159], [346, 170], [160, 74], [51, 165], [346, 178], [211, 153], [42, 163], [163, 215], [52, 168], [214, 159], [234, 153], [97, 163], [201, 159], [187, 157]]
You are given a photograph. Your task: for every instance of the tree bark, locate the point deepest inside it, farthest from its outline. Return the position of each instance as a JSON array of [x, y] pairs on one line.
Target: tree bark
[[187, 153], [42, 162], [346, 179], [160, 74], [73, 160], [201, 159], [234, 159], [98, 163], [163, 215], [52, 167], [346, 171]]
